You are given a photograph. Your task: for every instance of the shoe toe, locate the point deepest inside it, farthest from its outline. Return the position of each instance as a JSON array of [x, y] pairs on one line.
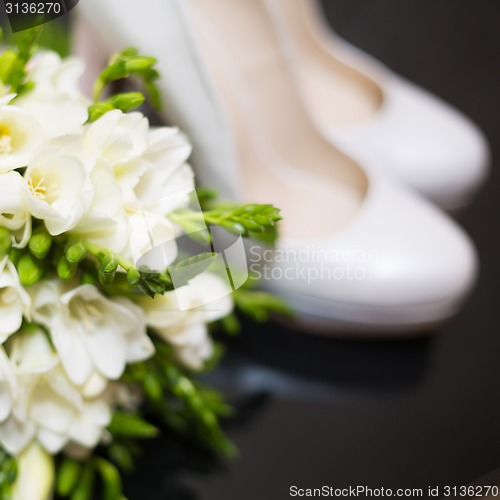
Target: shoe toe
[[400, 264], [437, 150], [423, 142]]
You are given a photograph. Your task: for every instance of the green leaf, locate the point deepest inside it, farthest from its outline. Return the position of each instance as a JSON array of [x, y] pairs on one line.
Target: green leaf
[[10, 64], [187, 407], [67, 476], [111, 479], [24, 88], [26, 42], [153, 93], [231, 324], [193, 224], [85, 485], [247, 220], [133, 426], [121, 455], [152, 387], [259, 305], [191, 267], [8, 474], [205, 197]]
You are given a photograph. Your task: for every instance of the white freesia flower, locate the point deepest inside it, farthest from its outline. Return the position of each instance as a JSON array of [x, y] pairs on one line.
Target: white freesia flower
[[90, 332], [14, 301], [158, 180], [118, 137], [56, 101], [35, 477], [46, 405], [56, 75], [14, 208], [113, 184], [8, 386], [149, 164], [58, 186], [140, 175], [106, 222], [56, 114], [20, 135], [152, 241], [187, 330]]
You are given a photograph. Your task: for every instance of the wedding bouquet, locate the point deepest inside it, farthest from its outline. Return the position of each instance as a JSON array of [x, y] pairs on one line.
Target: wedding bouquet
[[95, 338]]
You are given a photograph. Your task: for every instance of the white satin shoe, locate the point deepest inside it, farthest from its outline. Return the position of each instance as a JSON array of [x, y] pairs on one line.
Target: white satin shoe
[[358, 252], [376, 116]]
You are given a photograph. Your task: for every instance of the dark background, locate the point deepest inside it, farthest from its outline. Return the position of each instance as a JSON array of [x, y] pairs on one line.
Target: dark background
[[395, 414]]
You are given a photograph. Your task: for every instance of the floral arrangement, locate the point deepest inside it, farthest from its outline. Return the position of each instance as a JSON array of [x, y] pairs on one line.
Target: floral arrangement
[[93, 339]]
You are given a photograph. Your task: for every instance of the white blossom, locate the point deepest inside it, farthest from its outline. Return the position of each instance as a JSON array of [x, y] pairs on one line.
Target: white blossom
[[159, 180], [118, 137], [20, 136], [53, 74], [105, 223], [90, 332], [14, 300], [14, 208], [209, 299], [58, 186], [46, 405]]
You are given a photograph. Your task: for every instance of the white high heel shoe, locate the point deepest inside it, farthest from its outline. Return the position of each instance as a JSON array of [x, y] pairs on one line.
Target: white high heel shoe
[[376, 116], [358, 252]]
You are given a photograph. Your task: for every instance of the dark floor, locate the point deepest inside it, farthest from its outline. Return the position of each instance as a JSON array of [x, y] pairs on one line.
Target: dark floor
[[401, 414]]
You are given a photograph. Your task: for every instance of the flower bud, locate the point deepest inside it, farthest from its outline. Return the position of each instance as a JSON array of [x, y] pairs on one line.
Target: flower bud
[[127, 101], [152, 288], [5, 241], [36, 474], [40, 243], [30, 270], [114, 71], [139, 63], [99, 109], [107, 271], [66, 270], [76, 252]]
